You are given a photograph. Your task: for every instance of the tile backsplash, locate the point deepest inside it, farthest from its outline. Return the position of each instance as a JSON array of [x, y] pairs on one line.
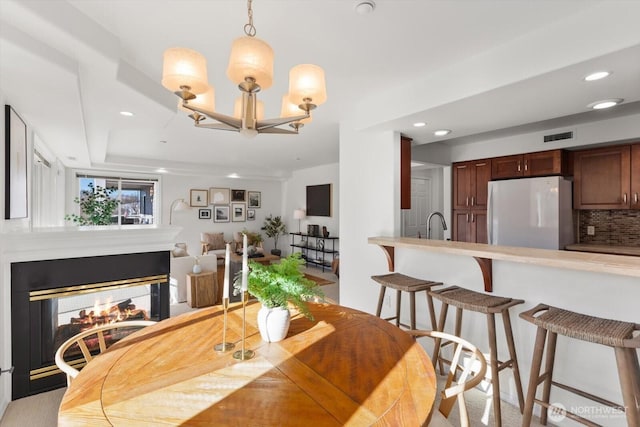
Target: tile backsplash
[[612, 227]]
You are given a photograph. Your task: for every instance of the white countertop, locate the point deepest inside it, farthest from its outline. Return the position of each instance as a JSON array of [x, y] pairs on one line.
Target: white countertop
[[586, 261]]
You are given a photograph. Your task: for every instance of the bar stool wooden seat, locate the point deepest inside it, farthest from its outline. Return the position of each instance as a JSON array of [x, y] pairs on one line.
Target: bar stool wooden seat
[[402, 283], [552, 321], [465, 299]]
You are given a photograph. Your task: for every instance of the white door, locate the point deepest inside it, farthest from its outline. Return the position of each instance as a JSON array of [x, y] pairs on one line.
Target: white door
[[415, 219]]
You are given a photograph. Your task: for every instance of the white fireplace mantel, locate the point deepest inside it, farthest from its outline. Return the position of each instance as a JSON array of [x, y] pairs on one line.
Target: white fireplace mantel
[[71, 242]]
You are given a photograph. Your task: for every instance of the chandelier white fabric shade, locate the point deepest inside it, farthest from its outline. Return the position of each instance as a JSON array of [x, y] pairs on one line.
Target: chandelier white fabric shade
[[204, 100], [306, 81], [289, 109], [251, 57], [184, 67]]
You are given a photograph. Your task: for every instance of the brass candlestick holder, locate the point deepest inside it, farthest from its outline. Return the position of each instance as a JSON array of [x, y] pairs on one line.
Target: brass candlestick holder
[[243, 354], [224, 345]]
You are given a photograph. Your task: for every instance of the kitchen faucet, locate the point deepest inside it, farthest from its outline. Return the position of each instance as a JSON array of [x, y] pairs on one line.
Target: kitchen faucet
[[431, 215]]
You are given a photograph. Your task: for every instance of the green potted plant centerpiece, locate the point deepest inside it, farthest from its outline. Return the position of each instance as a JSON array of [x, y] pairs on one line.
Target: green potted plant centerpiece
[[274, 227], [96, 206], [276, 286]]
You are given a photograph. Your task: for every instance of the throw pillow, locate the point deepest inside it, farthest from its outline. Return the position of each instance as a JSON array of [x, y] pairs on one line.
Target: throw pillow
[[179, 252], [213, 240]]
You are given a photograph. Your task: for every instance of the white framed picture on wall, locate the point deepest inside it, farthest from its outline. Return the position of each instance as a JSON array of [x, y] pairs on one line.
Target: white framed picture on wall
[[238, 212]]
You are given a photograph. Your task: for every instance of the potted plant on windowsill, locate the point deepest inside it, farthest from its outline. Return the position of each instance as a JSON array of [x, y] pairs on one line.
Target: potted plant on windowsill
[[276, 286], [274, 227]]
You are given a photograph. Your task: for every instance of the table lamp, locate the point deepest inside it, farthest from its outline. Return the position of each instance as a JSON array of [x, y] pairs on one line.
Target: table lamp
[[298, 214]]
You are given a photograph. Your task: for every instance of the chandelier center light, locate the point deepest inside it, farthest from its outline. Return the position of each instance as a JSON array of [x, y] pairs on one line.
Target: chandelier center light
[[184, 72]]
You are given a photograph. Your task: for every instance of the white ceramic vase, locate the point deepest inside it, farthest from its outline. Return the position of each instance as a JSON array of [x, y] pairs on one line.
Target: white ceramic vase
[[273, 323]]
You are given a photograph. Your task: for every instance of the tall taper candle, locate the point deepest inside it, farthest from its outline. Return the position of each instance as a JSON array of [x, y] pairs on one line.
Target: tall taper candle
[[245, 263], [227, 273]]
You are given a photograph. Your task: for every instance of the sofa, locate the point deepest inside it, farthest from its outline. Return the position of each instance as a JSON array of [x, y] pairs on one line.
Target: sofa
[[182, 263]]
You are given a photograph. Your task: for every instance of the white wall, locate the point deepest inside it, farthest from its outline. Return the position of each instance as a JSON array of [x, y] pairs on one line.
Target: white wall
[[369, 206], [295, 194], [178, 187]]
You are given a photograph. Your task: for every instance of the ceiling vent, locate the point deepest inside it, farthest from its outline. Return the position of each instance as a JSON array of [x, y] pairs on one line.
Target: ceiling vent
[[558, 136]]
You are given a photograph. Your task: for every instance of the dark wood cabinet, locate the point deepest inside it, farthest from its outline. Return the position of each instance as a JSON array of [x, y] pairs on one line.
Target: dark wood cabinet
[[405, 173], [542, 163], [470, 226], [602, 178], [635, 176], [470, 181], [470, 191]]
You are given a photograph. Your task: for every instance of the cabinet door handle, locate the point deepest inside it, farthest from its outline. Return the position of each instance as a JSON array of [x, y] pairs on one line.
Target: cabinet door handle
[[467, 202], [467, 217], [472, 218], [518, 166], [635, 198], [526, 166], [624, 198], [472, 200]]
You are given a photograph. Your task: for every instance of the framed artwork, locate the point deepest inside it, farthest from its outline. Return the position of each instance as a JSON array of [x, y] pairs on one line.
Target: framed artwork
[[219, 196], [199, 198], [255, 199], [221, 213], [238, 195], [204, 213], [15, 155], [251, 214], [238, 212]]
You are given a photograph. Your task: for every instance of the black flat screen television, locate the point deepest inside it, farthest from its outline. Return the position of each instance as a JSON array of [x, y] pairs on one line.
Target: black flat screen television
[[319, 200]]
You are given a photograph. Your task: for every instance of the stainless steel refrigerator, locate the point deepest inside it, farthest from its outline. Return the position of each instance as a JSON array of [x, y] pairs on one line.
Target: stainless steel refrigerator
[[530, 212]]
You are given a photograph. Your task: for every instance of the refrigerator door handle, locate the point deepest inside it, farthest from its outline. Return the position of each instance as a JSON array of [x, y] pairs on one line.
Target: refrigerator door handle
[[489, 215]]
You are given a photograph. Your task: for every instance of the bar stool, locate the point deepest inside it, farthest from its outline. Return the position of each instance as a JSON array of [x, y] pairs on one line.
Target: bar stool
[[619, 335], [402, 283], [464, 299]]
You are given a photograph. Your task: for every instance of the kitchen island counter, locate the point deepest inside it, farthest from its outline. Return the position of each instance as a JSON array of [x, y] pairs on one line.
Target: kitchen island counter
[[484, 254]]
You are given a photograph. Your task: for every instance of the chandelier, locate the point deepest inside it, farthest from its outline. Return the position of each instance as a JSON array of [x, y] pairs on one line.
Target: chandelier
[[184, 72]]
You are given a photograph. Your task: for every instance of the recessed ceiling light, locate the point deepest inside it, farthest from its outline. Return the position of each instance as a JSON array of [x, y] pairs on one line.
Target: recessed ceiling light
[[419, 124], [605, 103], [233, 175], [442, 132], [126, 113], [597, 75], [161, 170]]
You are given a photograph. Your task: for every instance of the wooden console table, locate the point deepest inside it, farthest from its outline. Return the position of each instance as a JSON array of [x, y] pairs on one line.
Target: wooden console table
[[345, 368]]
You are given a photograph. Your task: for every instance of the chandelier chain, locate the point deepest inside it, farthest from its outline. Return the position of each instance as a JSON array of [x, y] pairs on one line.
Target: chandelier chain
[[249, 28]]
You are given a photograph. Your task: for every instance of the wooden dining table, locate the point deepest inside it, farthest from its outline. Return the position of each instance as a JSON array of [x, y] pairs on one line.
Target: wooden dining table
[[345, 367]]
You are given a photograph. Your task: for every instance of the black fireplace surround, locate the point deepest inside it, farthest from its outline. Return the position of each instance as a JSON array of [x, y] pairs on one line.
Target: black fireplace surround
[[31, 321]]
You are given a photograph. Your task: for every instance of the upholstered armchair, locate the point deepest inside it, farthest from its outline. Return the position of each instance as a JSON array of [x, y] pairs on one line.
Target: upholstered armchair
[[213, 243]]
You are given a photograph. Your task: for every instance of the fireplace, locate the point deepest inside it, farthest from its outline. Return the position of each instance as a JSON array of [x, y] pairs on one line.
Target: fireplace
[[53, 300]]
